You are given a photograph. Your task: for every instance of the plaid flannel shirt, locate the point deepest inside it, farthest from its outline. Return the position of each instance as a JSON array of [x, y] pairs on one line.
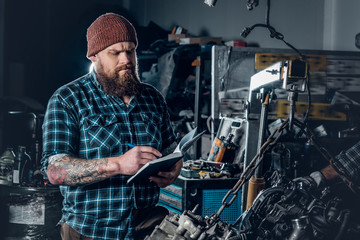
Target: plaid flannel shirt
[[347, 163], [82, 121]]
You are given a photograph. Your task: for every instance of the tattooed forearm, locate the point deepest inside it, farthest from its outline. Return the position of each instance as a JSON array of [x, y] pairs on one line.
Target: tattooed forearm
[[73, 171]]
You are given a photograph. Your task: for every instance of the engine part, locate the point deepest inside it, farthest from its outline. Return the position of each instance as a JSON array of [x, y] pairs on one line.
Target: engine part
[[302, 229], [287, 211], [283, 211], [189, 226]]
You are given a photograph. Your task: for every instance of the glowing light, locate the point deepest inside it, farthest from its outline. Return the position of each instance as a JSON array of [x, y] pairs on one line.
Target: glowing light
[[91, 67]]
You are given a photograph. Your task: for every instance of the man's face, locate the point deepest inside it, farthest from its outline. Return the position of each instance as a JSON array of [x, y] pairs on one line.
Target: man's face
[[116, 69]]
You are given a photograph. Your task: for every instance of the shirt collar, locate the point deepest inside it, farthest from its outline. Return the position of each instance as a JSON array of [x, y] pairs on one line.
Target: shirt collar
[[93, 74]]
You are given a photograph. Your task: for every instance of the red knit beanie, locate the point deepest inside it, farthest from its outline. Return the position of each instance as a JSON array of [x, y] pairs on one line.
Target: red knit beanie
[[107, 30]]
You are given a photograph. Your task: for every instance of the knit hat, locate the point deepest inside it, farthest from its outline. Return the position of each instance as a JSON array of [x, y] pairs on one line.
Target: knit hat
[[108, 29]]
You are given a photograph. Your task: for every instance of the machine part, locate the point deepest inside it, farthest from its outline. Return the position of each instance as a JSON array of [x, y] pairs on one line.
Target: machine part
[[188, 226], [288, 159], [284, 211], [251, 4], [357, 40], [302, 229], [320, 111], [284, 74], [255, 186], [342, 67], [263, 60], [257, 160], [249, 170], [287, 211], [7, 166], [189, 173], [205, 175], [210, 3], [194, 168], [217, 150], [231, 149], [223, 149], [30, 212], [259, 183], [233, 107]]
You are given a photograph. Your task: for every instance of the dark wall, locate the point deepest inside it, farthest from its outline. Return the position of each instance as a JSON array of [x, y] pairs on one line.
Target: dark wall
[[44, 48], [45, 44]]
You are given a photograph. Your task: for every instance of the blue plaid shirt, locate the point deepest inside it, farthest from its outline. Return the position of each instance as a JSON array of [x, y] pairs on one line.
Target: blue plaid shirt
[[82, 121], [347, 163]]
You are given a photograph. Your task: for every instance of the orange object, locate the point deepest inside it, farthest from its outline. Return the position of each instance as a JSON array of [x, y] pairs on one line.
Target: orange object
[[217, 150], [255, 186], [196, 62]]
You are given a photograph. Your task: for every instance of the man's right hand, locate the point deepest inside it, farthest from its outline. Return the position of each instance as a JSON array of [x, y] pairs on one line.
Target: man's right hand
[[130, 162], [72, 171]]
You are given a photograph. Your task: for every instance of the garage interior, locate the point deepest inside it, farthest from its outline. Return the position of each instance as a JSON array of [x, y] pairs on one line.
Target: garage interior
[[273, 86]]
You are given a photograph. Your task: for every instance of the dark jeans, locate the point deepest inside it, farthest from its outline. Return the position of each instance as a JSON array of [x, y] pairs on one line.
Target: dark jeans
[[145, 221], [68, 233]]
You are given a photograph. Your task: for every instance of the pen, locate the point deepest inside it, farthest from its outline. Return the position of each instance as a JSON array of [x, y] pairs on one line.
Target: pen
[[132, 146]]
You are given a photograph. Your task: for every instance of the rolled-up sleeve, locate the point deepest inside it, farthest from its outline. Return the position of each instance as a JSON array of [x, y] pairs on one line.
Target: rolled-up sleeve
[[347, 163], [60, 130]]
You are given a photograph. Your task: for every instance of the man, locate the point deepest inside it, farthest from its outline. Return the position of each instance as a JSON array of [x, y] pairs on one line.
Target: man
[[88, 127]]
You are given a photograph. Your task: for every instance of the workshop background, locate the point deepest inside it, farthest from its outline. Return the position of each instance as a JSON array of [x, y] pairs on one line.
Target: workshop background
[[43, 42], [43, 46]]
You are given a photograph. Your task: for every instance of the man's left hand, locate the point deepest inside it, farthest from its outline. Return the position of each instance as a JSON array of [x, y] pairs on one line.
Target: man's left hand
[[164, 179], [315, 180]]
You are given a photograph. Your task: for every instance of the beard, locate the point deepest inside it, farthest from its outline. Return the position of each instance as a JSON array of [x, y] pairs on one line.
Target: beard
[[127, 84]]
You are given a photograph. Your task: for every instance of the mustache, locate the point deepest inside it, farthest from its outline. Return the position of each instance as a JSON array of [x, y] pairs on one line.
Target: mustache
[[125, 67]]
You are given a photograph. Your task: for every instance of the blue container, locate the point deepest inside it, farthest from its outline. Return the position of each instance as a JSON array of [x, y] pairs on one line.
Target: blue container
[[212, 200]]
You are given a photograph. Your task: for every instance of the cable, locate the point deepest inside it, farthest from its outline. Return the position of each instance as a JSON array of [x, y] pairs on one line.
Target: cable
[[306, 117], [343, 225], [273, 34], [307, 113], [267, 16]]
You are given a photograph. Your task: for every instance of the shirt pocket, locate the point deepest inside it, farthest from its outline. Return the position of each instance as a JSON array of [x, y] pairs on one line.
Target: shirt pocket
[[152, 124], [102, 132]]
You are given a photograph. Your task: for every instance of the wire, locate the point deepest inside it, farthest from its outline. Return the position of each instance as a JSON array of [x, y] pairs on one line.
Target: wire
[[267, 16], [343, 225], [306, 117], [307, 113], [273, 34]]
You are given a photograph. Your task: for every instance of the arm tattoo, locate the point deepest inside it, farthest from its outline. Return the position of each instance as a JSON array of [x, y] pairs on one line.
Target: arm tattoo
[[73, 171]]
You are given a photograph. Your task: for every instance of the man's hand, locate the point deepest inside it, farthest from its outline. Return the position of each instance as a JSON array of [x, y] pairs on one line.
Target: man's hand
[[164, 179], [315, 180], [130, 162]]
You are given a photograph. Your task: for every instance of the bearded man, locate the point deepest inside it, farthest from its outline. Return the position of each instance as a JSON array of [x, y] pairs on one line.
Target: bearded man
[[88, 127]]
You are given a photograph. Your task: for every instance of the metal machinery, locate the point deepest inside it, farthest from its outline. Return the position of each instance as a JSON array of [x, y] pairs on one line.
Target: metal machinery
[[288, 146], [291, 75]]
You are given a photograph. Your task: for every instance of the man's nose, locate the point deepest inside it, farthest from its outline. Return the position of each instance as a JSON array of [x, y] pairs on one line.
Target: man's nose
[[125, 58]]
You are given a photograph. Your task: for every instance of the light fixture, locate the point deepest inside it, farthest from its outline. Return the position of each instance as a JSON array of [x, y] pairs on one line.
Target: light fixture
[[211, 3]]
